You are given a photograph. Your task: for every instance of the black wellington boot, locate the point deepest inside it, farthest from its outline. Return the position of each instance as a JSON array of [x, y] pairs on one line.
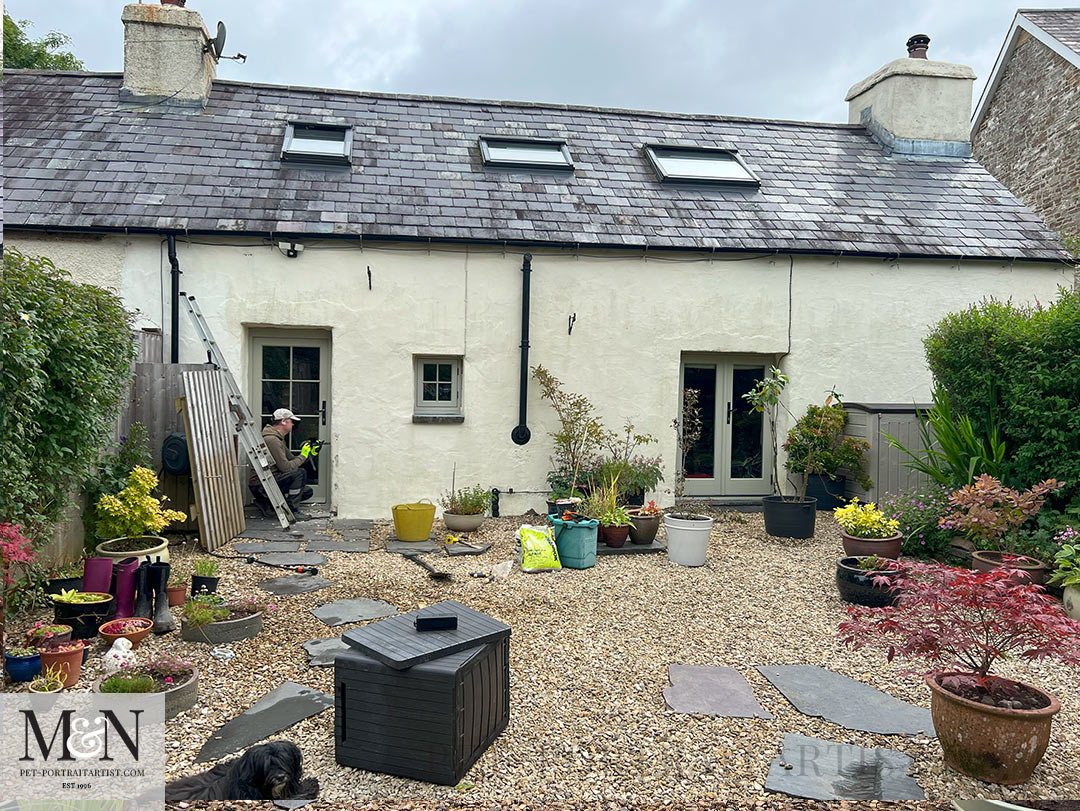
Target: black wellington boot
[[143, 604], [157, 576]]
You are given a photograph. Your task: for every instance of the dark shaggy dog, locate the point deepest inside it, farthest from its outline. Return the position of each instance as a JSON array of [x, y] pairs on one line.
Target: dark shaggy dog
[[269, 771]]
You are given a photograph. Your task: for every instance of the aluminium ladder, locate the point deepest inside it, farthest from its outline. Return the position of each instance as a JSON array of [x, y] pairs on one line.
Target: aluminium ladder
[[245, 426]]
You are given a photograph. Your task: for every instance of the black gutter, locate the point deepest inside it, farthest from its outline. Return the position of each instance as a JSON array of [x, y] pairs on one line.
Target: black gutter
[[174, 326], [521, 433]]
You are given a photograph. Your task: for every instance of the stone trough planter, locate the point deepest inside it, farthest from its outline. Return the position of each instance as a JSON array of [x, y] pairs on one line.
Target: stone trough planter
[[219, 633], [181, 697]]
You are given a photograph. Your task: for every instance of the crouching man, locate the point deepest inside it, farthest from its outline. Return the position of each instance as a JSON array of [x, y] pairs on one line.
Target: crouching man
[[287, 467]]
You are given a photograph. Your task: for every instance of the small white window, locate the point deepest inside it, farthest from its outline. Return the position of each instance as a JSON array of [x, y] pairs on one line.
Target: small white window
[[438, 387], [700, 164], [321, 144], [506, 152]]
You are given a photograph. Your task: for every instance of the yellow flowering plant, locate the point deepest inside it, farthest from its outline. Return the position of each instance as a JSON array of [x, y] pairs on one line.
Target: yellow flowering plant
[[134, 511], [865, 520]]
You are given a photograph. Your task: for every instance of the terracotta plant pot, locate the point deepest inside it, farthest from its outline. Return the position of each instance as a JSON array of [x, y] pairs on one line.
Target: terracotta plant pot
[[1030, 568], [177, 594], [644, 528], [61, 638], [991, 744], [134, 637], [614, 537], [462, 523], [882, 547], [857, 585], [70, 663]]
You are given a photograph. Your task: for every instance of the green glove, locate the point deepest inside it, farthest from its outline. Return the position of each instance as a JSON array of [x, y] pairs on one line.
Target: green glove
[[315, 447], [305, 450]]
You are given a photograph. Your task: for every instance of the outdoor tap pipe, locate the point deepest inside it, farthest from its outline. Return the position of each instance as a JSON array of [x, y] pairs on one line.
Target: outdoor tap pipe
[[174, 326], [521, 433]]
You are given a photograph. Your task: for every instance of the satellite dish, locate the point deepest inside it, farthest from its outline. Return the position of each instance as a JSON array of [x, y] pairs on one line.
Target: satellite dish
[[216, 46]]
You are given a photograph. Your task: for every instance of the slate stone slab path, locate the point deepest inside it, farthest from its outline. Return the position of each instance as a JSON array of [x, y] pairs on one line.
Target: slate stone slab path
[[263, 547], [271, 534], [457, 549], [321, 652], [851, 704], [294, 584], [342, 524], [277, 710], [339, 546], [412, 547], [630, 548], [824, 770], [711, 691], [294, 558], [343, 612]]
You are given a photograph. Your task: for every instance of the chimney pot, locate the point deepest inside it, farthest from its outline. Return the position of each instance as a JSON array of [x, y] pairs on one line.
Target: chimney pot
[[917, 45]]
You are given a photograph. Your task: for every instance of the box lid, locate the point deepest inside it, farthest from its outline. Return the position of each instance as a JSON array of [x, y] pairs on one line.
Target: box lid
[[396, 643]]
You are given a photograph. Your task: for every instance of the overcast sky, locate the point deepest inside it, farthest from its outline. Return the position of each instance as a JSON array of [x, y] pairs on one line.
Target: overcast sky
[[769, 59]]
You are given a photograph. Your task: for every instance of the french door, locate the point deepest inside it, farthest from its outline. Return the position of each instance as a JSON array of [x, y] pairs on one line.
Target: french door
[[291, 369], [730, 457]]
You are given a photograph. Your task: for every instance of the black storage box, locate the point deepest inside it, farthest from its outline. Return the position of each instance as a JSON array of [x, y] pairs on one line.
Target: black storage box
[[430, 721]]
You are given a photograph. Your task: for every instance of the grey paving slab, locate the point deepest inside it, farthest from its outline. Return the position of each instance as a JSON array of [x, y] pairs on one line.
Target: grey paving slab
[[356, 534], [263, 547], [294, 558], [321, 652], [277, 710], [342, 524], [711, 691], [343, 612], [851, 704], [629, 548], [463, 548], [412, 547], [270, 534], [339, 546], [294, 584], [825, 770]]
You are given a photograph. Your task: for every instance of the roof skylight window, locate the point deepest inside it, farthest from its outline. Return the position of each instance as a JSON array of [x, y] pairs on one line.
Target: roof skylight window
[[321, 144], [528, 154], [700, 164]]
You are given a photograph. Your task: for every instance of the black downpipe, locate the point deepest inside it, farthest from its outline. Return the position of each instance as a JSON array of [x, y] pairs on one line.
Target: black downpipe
[[521, 433], [174, 326]]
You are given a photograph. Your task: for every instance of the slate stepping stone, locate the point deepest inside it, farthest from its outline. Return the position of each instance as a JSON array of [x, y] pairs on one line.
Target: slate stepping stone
[[294, 558], [294, 584], [277, 710], [342, 524], [263, 547], [711, 691], [630, 548], [412, 547], [356, 534], [321, 652], [851, 704], [824, 770], [338, 546], [342, 612], [455, 549], [277, 534]]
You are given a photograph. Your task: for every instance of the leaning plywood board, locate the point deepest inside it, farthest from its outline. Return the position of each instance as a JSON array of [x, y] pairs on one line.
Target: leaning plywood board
[[214, 467]]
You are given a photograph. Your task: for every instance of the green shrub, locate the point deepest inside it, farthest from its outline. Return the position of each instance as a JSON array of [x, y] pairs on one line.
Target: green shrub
[[816, 444], [67, 352], [129, 683], [466, 500], [918, 514], [113, 468]]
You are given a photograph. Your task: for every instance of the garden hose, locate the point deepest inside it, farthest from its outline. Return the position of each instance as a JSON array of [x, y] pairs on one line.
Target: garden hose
[[252, 559]]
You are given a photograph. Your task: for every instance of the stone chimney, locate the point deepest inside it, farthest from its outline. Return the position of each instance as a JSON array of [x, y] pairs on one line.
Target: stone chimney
[[915, 105], [166, 60]]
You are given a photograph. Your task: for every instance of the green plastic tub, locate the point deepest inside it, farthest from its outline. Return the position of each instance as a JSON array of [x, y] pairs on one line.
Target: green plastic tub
[[576, 541]]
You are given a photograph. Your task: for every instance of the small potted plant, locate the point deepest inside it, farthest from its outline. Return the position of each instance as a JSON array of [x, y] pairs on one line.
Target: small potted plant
[[208, 618], [463, 509], [645, 522], [22, 664], [67, 658], [1067, 570], [989, 513], [40, 635], [866, 530], [204, 577], [132, 518], [50, 681], [866, 580], [126, 680], [615, 526], [818, 449], [133, 629], [961, 623], [84, 611], [177, 587]]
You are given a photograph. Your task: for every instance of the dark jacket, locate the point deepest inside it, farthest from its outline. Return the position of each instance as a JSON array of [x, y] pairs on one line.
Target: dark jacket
[[285, 461]]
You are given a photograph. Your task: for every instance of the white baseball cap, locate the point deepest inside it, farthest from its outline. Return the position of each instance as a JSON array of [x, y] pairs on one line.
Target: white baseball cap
[[285, 414]]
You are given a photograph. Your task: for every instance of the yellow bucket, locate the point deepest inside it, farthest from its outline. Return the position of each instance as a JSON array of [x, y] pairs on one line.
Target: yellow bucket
[[412, 522]]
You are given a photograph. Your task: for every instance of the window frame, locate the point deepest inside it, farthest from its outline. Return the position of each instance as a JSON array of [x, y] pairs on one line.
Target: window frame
[[656, 162], [490, 160], [425, 408], [288, 155]]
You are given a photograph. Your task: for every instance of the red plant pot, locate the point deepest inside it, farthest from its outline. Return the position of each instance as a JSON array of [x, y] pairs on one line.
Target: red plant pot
[[134, 637], [1029, 568], [614, 537], [882, 547], [177, 594], [69, 662]]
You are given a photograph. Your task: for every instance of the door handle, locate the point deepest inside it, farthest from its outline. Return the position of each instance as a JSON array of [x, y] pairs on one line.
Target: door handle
[[322, 412], [729, 413]]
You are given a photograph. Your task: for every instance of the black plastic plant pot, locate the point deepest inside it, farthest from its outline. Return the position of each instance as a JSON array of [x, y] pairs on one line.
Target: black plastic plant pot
[[857, 586], [789, 519], [84, 618], [828, 492], [202, 584], [57, 585]]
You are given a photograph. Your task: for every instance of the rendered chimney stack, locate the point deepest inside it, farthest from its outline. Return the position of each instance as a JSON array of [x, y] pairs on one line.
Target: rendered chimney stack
[[916, 105], [166, 61]]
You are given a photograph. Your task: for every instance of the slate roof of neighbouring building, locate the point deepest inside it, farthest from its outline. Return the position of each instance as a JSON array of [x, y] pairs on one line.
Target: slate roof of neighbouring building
[[1062, 24], [74, 158]]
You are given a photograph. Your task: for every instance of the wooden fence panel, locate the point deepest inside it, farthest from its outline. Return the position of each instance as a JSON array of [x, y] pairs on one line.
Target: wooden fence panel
[[214, 463]]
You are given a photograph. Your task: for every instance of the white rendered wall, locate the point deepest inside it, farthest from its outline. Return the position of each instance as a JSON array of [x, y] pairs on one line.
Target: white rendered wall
[[856, 325]]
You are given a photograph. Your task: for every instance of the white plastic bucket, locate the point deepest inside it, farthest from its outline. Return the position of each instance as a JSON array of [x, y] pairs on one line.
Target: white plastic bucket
[[687, 540]]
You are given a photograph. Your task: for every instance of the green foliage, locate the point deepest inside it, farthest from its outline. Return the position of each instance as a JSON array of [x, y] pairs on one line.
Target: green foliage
[[816, 444], [1067, 560], [67, 352], [22, 52], [206, 567], [764, 398], [75, 596], [1019, 367], [129, 683], [133, 512], [918, 514], [466, 500], [205, 608], [580, 429], [113, 470], [688, 429]]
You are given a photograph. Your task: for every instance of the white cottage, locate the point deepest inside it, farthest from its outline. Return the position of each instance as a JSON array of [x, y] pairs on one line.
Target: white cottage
[[360, 256]]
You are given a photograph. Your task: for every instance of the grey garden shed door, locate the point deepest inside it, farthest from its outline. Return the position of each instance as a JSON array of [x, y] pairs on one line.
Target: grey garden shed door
[[730, 458], [291, 369]]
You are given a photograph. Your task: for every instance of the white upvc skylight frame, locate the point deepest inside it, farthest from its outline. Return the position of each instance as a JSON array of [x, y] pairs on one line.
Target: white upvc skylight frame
[[304, 143], [663, 158], [546, 154]]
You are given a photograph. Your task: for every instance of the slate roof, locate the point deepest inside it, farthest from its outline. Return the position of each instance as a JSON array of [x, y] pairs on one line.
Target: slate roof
[[74, 158], [1062, 24]]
